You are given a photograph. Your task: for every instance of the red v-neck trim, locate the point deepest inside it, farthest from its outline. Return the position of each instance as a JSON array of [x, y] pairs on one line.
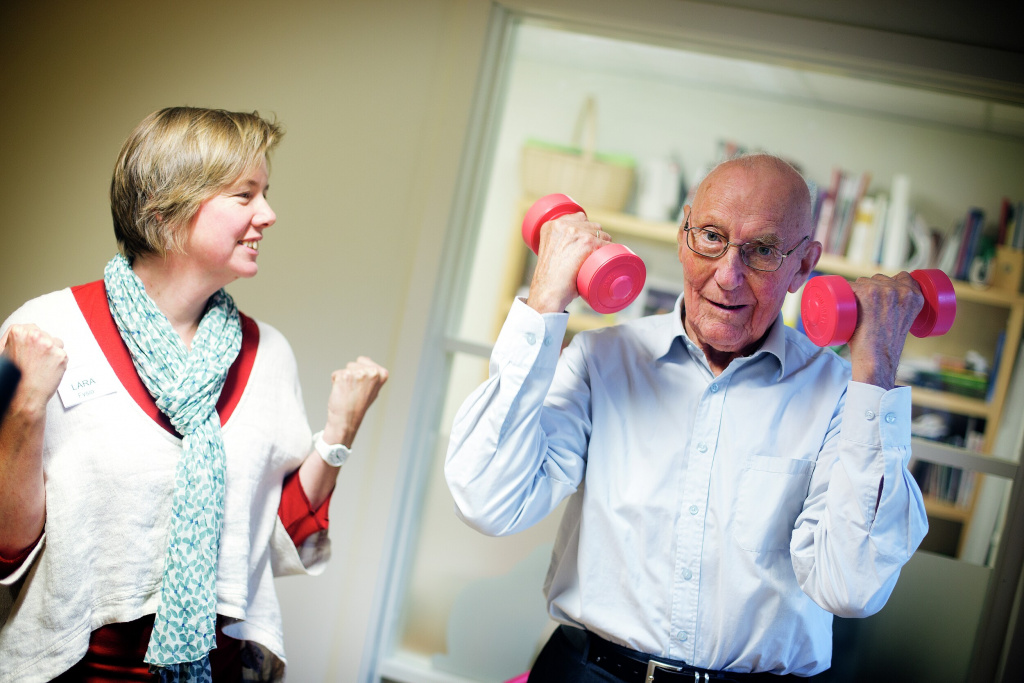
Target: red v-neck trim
[[92, 300]]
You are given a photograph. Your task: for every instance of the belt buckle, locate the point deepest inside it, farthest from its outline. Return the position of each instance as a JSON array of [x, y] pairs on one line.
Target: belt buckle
[[654, 665]]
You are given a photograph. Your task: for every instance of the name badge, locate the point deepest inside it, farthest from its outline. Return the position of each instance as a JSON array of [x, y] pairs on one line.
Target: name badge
[[84, 383]]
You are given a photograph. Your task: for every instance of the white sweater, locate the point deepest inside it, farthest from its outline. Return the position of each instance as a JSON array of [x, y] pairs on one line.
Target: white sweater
[[109, 473]]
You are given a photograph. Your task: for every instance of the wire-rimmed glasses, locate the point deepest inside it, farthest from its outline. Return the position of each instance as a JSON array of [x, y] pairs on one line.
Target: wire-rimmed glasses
[[757, 255]]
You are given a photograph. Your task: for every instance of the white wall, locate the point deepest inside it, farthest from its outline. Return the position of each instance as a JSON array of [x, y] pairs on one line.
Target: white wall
[[375, 98]]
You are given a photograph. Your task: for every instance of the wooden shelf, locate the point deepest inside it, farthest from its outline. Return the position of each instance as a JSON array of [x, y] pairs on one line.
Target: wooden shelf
[[953, 403], [581, 322], [940, 509], [620, 225], [837, 265]]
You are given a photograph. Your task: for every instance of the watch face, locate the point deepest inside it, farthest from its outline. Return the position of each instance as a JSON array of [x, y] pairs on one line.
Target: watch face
[[334, 455]]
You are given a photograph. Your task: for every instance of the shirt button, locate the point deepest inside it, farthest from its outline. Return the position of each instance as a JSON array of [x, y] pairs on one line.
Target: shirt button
[[531, 338], [547, 341], [693, 509], [702, 447], [714, 388], [681, 636], [687, 574], [869, 414], [890, 418]]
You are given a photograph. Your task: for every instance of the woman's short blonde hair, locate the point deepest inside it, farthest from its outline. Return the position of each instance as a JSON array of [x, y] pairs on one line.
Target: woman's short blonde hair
[[173, 161]]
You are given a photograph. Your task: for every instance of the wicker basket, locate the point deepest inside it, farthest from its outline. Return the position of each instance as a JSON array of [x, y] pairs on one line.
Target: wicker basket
[[595, 181]]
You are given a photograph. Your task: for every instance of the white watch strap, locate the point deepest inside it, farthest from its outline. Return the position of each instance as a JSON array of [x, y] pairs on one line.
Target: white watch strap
[[334, 455]]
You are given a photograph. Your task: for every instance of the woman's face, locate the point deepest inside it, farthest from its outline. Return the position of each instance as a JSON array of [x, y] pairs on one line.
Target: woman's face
[[225, 235]]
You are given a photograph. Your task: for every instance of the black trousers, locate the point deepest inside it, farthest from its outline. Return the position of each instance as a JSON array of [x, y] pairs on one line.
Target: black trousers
[[564, 660]]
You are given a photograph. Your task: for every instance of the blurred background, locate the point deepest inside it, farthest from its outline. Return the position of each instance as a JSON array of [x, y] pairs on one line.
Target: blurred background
[[399, 188]]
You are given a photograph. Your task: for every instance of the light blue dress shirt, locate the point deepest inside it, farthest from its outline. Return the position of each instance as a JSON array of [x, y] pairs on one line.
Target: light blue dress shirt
[[717, 520]]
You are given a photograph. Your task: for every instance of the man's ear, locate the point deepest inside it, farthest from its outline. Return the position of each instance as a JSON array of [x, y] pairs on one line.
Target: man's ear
[[807, 262], [680, 235]]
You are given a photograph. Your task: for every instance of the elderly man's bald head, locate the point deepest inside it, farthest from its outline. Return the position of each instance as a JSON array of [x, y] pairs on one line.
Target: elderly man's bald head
[[789, 187]]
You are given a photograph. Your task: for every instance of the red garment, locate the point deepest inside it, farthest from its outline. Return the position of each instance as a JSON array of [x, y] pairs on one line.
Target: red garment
[[116, 651]]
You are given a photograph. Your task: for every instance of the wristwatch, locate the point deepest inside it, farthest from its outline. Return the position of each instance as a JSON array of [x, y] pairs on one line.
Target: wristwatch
[[335, 454]]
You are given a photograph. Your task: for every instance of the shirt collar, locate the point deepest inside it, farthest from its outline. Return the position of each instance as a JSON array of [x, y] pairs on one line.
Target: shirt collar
[[663, 341]]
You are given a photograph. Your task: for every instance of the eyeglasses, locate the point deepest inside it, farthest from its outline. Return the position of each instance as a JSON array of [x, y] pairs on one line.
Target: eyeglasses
[[756, 255]]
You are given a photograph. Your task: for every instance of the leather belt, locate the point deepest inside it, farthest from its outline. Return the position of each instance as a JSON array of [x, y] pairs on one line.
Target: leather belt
[[637, 667]]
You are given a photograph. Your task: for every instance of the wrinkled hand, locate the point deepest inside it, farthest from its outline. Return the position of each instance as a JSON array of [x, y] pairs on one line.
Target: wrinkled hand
[[42, 361], [353, 391], [565, 243], [886, 309]]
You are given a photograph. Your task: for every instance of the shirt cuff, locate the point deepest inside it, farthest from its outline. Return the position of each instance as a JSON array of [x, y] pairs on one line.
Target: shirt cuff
[[529, 338], [875, 416]]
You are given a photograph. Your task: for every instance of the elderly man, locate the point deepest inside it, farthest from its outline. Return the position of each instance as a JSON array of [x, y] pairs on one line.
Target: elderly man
[[731, 486]]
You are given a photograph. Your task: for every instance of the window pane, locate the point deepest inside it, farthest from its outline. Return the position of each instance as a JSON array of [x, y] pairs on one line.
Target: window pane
[[484, 591]]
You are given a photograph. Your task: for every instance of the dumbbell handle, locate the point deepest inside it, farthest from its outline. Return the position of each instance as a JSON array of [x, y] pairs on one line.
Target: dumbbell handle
[[828, 307], [610, 278], [547, 208]]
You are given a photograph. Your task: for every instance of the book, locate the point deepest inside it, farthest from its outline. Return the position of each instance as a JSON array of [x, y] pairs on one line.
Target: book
[[817, 194], [950, 250], [862, 234], [894, 251], [959, 268], [966, 489], [851, 190], [1018, 241], [974, 224], [944, 483], [921, 253], [881, 212], [996, 358], [1003, 229], [823, 229]]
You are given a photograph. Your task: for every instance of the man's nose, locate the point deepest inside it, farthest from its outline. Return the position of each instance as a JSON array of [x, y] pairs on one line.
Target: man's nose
[[730, 269]]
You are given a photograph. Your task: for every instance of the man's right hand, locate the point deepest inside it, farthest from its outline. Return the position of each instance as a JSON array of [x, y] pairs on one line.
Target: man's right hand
[[42, 361], [565, 243]]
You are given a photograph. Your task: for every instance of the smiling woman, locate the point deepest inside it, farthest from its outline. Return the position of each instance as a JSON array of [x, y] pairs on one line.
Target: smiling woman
[[222, 243], [186, 508]]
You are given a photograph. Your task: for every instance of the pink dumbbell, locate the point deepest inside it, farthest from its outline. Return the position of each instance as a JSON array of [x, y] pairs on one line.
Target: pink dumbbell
[[828, 307], [610, 278]]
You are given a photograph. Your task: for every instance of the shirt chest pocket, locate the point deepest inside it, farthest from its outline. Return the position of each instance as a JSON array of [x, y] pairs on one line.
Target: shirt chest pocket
[[769, 496]]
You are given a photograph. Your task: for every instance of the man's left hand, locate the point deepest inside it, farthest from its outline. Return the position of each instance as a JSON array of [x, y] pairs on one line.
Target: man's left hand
[[886, 309]]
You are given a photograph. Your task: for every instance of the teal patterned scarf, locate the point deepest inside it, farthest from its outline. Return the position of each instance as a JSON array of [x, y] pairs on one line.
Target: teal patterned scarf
[[185, 385]]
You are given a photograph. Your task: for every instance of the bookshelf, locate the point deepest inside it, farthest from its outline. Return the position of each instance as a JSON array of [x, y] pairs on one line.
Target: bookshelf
[[982, 316]]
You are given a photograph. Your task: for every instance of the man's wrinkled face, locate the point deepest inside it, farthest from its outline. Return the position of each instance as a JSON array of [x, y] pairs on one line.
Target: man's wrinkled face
[[728, 305]]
